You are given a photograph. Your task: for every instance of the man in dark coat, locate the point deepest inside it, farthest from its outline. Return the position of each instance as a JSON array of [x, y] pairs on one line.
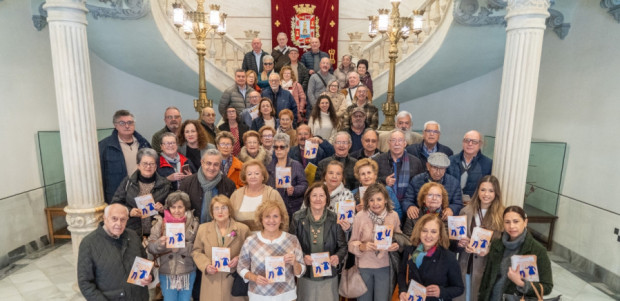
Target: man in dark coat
[[253, 60], [106, 257], [342, 145], [296, 153], [117, 152], [281, 99], [430, 143], [470, 165]]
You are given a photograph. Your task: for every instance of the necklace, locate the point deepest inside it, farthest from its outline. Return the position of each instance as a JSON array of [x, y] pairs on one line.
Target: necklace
[[315, 233]]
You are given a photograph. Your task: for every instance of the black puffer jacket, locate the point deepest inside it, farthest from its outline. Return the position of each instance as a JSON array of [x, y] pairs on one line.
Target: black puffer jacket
[[129, 189], [103, 268], [334, 240]]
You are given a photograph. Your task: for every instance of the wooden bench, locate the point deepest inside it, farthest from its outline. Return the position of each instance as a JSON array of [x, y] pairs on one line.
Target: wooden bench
[[50, 213], [537, 216]]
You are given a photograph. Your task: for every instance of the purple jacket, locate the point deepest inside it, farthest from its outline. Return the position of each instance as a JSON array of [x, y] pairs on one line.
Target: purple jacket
[[298, 181]]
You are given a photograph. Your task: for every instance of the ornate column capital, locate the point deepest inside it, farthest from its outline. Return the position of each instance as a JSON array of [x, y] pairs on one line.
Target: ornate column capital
[[84, 219], [66, 10], [526, 14]]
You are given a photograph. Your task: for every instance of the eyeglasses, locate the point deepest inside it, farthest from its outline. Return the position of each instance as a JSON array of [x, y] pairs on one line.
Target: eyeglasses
[[209, 164], [144, 164], [125, 123], [280, 147], [169, 143], [341, 142], [433, 196], [171, 117], [472, 141], [220, 209], [436, 132], [370, 140], [267, 64], [225, 144]]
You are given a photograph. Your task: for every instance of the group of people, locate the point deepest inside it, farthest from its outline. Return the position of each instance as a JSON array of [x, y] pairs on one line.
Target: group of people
[[220, 182]]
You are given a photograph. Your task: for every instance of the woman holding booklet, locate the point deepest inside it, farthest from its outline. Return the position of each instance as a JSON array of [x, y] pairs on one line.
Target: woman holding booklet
[[323, 243], [222, 234], [271, 258], [291, 191], [365, 171], [177, 271], [371, 240], [484, 210], [427, 265], [432, 199], [503, 273], [334, 180]]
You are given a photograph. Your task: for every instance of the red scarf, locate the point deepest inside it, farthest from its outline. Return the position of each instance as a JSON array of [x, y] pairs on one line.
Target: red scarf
[[168, 218]]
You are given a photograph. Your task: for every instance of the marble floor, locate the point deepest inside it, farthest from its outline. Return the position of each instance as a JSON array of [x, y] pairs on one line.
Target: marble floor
[[49, 275]]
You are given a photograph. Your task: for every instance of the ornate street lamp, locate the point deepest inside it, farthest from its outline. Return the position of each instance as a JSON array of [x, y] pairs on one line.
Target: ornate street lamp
[[396, 28], [200, 23]]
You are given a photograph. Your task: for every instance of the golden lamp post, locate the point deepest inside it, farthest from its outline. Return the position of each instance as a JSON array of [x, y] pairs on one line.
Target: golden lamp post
[[396, 28], [196, 22]]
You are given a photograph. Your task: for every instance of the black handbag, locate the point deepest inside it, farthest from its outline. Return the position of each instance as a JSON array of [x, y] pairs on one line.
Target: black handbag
[[239, 287]]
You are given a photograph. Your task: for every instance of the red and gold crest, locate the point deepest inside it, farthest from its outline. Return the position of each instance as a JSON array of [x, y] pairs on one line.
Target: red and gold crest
[[304, 25]]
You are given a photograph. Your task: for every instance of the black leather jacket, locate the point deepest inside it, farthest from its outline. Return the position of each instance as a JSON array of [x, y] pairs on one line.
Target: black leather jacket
[[334, 240]]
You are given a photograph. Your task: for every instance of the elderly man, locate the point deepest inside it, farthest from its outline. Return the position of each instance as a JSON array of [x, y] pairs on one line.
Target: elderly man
[[173, 120], [342, 145], [311, 58], [207, 120], [436, 172], [281, 98], [297, 152], [106, 256], [470, 165], [173, 165], [357, 127], [208, 182], [397, 167], [318, 83], [353, 81], [369, 149], [235, 95], [117, 152], [361, 101], [300, 70], [280, 52], [430, 143], [404, 121], [253, 60], [250, 113]]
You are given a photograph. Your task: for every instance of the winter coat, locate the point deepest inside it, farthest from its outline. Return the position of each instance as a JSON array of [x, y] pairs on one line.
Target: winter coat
[[298, 181], [191, 186], [479, 167], [249, 62], [174, 263], [164, 169], [259, 122], [281, 100], [263, 156], [418, 151], [233, 98], [450, 183]]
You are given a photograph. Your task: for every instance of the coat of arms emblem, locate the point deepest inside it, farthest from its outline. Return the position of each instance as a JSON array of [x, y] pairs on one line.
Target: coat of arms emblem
[[304, 25]]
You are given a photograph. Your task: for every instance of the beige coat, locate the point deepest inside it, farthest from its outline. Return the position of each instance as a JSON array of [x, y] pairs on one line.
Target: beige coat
[[217, 287], [248, 217], [479, 262]]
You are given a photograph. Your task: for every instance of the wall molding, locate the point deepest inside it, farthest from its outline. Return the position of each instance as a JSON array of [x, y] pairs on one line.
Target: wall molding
[[116, 9]]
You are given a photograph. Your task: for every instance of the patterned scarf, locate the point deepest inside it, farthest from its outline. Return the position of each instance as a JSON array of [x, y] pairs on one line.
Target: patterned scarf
[[418, 254], [377, 219], [207, 190], [402, 177]]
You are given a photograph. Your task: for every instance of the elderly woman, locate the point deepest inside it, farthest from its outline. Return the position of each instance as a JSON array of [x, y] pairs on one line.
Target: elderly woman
[[253, 149], [289, 83], [231, 165], [177, 271], [266, 138], [222, 232], [246, 199], [499, 278], [286, 124], [294, 194], [142, 182], [271, 240], [251, 80], [432, 199], [334, 179], [323, 120], [345, 67], [365, 171], [362, 70], [336, 97], [484, 210], [318, 231], [374, 263], [172, 165], [232, 123], [266, 115], [192, 140], [429, 263], [263, 77]]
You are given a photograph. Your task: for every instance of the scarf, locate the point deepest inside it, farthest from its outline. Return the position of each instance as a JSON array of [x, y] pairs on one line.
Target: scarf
[[419, 254], [377, 219], [168, 218], [511, 248], [288, 85], [425, 210], [402, 177], [226, 163], [207, 190], [173, 161]]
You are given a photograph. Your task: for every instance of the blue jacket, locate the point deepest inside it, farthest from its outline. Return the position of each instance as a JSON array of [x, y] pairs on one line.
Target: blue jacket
[[298, 181], [480, 166], [392, 195], [308, 60], [113, 169], [418, 151], [282, 100], [259, 122], [452, 185]]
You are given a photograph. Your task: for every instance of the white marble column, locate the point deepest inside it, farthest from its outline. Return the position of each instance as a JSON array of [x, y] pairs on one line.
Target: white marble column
[[76, 116], [525, 31]]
